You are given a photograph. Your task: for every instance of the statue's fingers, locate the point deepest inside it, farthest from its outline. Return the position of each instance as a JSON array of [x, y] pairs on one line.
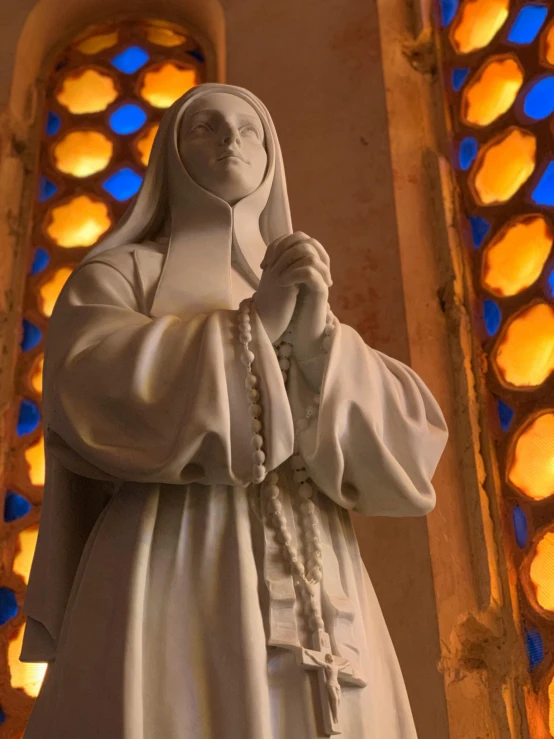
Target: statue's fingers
[[293, 255], [270, 251], [320, 250], [286, 243]]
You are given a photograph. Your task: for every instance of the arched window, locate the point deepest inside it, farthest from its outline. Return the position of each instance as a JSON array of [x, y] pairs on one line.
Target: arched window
[[498, 71], [105, 96]]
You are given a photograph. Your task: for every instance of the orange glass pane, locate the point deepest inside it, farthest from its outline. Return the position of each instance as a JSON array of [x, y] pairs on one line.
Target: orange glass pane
[[27, 541], [36, 374], [477, 23], [516, 257], [525, 355], [34, 456], [80, 222], [82, 153], [549, 45], [144, 143], [503, 166], [542, 571], [87, 91], [532, 468], [98, 43], [493, 90], [49, 291], [163, 85], [163, 36], [24, 675]]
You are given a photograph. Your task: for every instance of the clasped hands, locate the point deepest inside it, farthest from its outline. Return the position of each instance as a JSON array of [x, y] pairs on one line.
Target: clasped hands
[[296, 279]]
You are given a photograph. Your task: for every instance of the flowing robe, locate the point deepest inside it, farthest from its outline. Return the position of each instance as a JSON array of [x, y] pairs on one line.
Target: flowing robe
[[156, 587]]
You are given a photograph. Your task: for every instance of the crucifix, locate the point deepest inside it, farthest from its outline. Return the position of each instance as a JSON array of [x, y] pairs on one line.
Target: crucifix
[[332, 672]]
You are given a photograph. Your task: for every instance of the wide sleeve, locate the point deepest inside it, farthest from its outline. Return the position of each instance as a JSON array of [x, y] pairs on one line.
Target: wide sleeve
[[379, 434], [147, 399]]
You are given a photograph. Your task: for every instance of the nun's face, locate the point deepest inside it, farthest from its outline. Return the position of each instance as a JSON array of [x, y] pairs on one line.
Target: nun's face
[[221, 144]]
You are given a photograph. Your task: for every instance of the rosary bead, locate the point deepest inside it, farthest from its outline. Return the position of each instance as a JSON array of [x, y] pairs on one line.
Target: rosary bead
[[272, 491], [273, 478], [307, 507], [255, 410], [314, 543], [259, 472], [317, 623], [297, 462], [257, 441], [258, 457], [285, 537], [284, 375], [316, 575], [326, 344], [300, 476], [247, 357], [253, 394], [298, 568], [256, 425], [317, 554], [245, 337], [280, 519], [305, 490], [274, 505], [285, 350], [302, 424], [317, 399], [284, 364], [251, 380], [329, 328], [311, 411]]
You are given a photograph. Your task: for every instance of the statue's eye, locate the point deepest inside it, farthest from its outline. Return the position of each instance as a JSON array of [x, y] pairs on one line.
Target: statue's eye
[[250, 129], [200, 128]]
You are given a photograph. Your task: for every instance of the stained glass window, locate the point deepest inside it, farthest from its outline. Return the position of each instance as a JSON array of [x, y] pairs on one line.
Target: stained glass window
[[105, 96], [497, 64]]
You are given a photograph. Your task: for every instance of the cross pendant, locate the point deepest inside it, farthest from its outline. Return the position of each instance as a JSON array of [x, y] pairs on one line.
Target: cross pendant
[[332, 672]]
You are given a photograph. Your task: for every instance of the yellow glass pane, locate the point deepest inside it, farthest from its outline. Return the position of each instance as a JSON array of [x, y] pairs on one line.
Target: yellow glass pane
[[36, 374], [98, 43], [477, 23], [49, 291], [525, 355], [87, 91], [82, 153], [549, 45], [551, 707], [532, 468], [144, 143], [80, 222], [25, 675], [163, 85], [515, 258], [542, 571], [503, 166], [163, 36], [34, 456], [493, 90], [27, 541]]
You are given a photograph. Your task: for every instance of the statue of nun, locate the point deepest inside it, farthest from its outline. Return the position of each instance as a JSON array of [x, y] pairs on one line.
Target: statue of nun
[[209, 424]]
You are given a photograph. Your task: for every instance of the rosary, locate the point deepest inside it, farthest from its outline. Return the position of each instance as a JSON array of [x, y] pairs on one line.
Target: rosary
[[332, 670]]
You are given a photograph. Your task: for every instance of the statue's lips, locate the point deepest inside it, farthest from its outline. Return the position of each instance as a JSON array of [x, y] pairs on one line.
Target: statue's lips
[[231, 155]]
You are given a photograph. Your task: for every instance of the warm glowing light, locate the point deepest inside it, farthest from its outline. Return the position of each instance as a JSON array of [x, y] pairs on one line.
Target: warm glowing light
[[493, 90], [87, 91], [162, 86], [542, 572], [516, 257], [34, 456], [49, 291], [477, 24], [80, 222], [532, 468], [525, 355], [36, 374], [27, 541], [98, 43], [82, 153], [24, 675], [144, 143], [503, 166], [163, 36]]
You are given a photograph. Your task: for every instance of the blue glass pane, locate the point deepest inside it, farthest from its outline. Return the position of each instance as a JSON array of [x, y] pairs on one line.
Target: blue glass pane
[[492, 315], [53, 124], [520, 526], [15, 506], [505, 415], [29, 417], [2, 716], [32, 336], [459, 76], [551, 283], [130, 60], [479, 229], [449, 9], [46, 189], [8, 605], [543, 194], [539, 101], [196, 54], [127, 119], [123, 184], [468, 152], [527, 24], [40, 260], [534, 646]]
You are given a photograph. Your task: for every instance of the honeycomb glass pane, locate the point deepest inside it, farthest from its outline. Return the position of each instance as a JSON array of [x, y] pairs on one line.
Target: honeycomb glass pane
[[515, 258], [493, 90], [525, 354], [549, 45], [163, 36], [36, 375], [50, 290], [539, 100], [83, 153], [87, 91], [145, 143], [127, 119], [542, 571], [27, 541], [532, 468], [26, 676], [478, 23], [34, 456], [527, 24], [80, 222], [130, 60], [503, 166], [95, 44], [164, 84]]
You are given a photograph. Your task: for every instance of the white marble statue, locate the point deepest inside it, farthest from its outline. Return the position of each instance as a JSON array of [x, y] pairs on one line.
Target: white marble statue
[[209, 424]]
